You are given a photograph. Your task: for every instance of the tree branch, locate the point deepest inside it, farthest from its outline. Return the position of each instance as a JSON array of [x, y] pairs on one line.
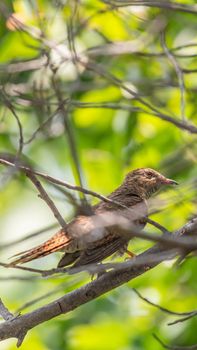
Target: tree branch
[[105, 283], [43, 194]]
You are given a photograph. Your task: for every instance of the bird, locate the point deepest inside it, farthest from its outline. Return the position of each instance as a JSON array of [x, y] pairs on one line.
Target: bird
[[89, 239]]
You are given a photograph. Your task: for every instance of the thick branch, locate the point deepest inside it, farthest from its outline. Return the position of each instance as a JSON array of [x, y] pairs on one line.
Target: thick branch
[[91, 291]]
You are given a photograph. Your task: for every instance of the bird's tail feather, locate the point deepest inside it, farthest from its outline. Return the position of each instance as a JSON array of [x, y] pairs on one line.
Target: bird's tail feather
[[54, 244]]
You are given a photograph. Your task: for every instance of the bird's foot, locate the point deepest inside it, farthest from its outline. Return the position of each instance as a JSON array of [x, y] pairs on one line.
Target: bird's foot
[[130, 254], [101, 271]]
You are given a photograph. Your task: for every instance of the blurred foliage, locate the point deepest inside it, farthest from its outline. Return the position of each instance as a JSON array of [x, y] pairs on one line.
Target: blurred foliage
[[113, 133]]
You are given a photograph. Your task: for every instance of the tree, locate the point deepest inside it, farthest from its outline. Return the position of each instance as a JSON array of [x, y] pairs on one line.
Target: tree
[[90, 90]]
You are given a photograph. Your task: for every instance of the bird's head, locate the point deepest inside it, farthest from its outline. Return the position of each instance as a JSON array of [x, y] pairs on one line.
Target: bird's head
[[146, 181]]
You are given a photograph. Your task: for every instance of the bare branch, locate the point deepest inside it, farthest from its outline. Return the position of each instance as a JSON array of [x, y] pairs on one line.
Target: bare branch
[[24, 66], [4, 312], [189, 314], [69, 132], [47, 199], [27, 237], [60, 182], [179, 73], [169, 5], [152, 110], [183, 319], [175, 347], [157, 225], [101, 285], [8, 104]]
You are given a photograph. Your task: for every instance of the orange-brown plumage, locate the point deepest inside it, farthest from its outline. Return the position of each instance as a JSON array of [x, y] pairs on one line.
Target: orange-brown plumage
[[54, 244], [89, 239]]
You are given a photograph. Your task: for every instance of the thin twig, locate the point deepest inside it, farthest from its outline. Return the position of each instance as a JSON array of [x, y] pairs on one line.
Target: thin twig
[[20, 128], [157, 225], [170, 312], [61, 182], [47, 199], [69, 133], [183, 319], [172, 6], [152, 110], [179, 73], [28, 236], [175, 347], [30, 269]]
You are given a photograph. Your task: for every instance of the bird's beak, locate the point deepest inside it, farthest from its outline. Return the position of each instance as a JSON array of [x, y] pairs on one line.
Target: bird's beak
[[169, 182]]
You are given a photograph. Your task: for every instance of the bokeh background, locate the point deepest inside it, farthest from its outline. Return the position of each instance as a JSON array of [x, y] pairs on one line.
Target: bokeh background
[[93, 84]]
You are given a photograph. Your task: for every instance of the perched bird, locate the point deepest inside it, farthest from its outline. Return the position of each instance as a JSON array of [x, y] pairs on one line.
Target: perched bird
[[90, 239]]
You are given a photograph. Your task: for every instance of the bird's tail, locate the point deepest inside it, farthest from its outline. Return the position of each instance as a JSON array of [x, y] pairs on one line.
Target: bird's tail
[[54, 244]]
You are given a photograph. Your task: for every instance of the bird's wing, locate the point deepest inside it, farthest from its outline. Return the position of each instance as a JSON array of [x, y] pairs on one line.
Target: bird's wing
[[100, 252], [68, 258], [115, 238]]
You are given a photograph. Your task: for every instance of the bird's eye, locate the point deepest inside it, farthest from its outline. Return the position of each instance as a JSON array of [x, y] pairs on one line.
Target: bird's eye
[[149, 174]]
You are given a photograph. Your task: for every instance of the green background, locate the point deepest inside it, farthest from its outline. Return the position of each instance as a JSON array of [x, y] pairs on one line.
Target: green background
[[113, 133]]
